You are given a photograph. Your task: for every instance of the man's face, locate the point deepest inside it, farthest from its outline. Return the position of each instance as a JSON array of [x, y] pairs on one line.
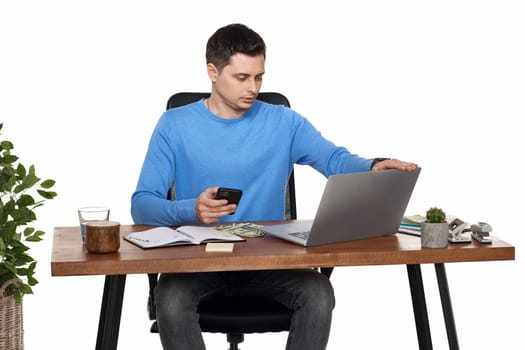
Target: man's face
[[236, 86]]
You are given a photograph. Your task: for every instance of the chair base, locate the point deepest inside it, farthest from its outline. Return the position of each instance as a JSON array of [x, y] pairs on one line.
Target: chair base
[[234, 339]]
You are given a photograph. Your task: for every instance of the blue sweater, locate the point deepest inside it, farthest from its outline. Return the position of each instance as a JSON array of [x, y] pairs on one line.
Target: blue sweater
[[194, 149]]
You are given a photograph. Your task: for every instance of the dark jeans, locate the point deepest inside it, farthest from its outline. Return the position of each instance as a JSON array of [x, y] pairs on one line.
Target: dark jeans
[[305, 291]]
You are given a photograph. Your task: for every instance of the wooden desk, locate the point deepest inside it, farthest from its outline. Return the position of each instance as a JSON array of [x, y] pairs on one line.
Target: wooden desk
[[69, 258]]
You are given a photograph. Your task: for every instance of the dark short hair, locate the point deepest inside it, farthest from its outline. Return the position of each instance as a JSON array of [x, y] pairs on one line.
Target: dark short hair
[[232, 39]]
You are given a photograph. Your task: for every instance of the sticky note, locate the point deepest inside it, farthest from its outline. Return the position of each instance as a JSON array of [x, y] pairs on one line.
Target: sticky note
[[219, 247]]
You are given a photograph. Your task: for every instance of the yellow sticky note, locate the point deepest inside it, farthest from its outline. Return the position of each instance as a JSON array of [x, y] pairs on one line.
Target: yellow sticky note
[[219, 247]]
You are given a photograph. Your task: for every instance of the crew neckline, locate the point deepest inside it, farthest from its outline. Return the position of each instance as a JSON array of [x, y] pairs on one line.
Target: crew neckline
[[215, 117]]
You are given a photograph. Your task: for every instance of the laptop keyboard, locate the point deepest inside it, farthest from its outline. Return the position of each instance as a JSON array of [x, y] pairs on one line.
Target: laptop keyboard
[[301, 235]]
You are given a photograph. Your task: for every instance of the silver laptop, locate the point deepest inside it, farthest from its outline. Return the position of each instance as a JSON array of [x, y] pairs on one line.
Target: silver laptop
[[354, 206]]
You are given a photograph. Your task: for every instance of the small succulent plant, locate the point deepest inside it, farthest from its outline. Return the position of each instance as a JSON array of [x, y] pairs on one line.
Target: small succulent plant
[[435, 215]]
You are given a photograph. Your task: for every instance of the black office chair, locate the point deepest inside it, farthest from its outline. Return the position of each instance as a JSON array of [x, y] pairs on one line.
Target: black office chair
[[239, 315]]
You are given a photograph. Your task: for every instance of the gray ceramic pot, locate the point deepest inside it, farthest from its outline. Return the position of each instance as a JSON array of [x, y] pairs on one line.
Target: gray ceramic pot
[[434, 235]]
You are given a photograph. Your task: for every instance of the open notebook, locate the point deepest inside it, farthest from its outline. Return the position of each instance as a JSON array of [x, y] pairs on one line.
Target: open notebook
[[183, 235]]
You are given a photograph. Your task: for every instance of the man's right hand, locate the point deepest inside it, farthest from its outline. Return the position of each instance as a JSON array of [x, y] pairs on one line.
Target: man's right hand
[[209, 209]]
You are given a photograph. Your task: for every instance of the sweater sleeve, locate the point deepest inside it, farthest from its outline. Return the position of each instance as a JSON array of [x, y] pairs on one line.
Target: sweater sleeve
[[309, 147], [151, 210], [149, 203]]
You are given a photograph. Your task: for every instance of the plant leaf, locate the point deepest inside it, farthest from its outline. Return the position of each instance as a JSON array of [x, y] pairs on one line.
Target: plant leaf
[[21, 170], [26, 289], [33, 239], [2, 248], [25, 200], [47, 194], [6, 145], [47, 183]]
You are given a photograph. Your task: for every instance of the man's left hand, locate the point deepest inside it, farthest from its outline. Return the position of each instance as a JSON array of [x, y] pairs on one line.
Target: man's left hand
[[394, 164]]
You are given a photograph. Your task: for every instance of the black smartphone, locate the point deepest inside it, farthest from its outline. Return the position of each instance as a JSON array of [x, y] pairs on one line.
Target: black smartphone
[[233, 195]]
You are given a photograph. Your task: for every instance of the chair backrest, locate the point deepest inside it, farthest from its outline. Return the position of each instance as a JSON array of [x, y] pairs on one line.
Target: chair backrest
[[184, 98]]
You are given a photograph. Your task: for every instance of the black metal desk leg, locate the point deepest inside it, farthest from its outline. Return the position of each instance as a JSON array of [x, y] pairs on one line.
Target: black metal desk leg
[[446, 304], [110, 311], [420, 307]]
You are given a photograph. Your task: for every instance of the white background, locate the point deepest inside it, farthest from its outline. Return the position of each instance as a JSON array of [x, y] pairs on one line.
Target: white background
[[82, 85]]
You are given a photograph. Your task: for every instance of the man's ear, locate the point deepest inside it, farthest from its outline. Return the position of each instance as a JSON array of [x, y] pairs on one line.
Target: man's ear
[[213, 72]]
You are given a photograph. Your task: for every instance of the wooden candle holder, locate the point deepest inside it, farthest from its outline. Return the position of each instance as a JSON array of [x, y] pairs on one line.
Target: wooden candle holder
[[102, 236]]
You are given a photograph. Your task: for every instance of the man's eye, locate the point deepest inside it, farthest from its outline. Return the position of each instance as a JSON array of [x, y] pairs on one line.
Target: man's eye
[[241, 77]]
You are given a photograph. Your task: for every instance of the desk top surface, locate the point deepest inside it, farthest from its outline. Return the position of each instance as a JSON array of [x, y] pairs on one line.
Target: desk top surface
[[70, 258]]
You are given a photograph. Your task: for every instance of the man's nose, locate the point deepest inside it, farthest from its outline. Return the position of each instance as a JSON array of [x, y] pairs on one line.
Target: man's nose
[[252, 85]]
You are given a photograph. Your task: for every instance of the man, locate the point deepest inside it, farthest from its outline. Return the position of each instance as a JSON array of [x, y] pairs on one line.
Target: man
[[233, 140]]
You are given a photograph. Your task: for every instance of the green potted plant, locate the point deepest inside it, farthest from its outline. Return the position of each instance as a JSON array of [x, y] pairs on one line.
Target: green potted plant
[[434, 231], [21, 192]]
